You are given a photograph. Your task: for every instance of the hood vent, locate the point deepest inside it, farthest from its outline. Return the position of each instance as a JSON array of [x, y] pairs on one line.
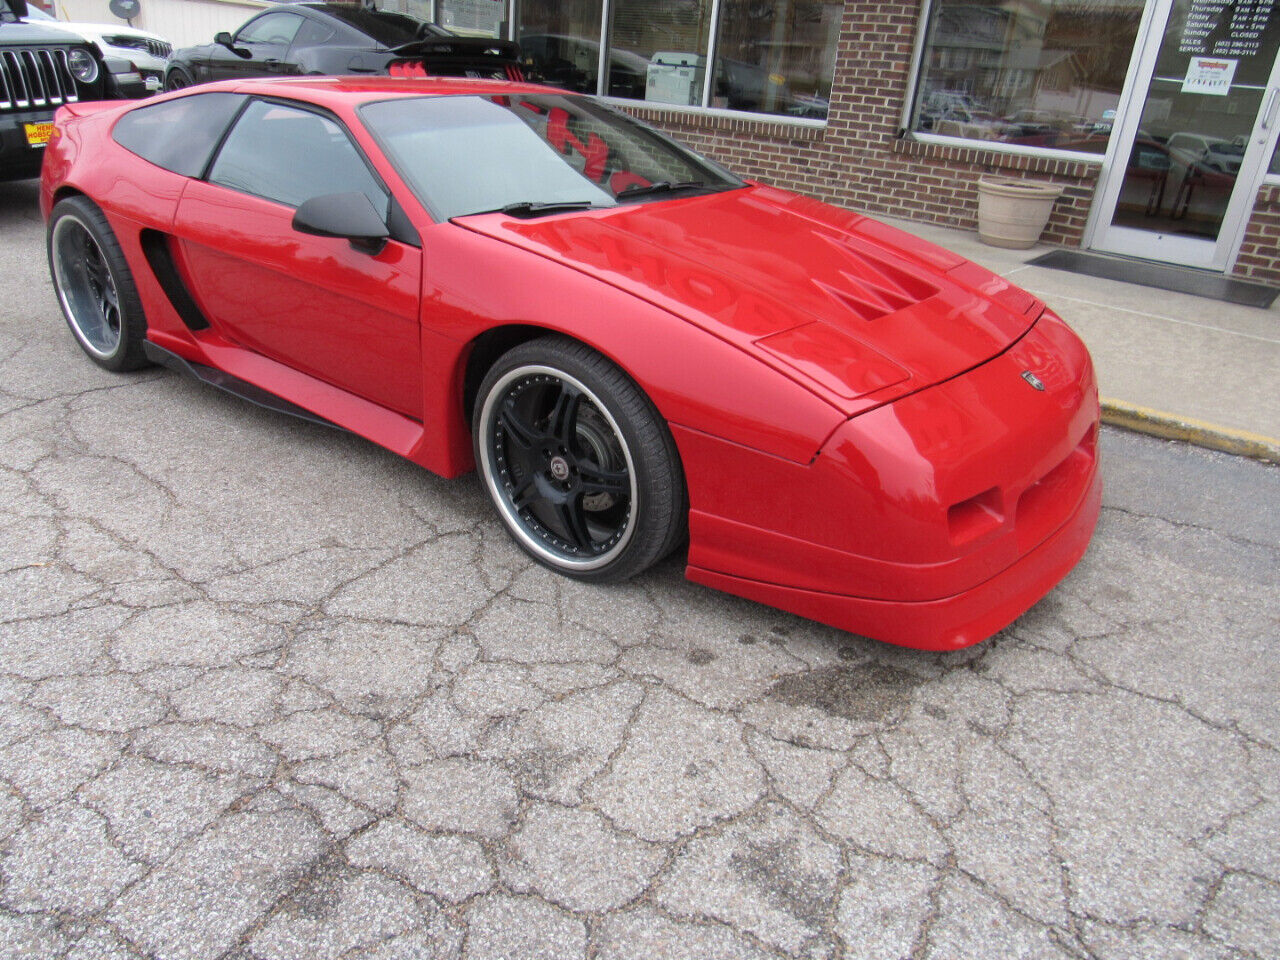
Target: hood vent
[[873, 287]]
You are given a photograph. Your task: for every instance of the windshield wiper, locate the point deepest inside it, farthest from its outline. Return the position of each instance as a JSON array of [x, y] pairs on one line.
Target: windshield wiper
[[531, 208], [660, 186]]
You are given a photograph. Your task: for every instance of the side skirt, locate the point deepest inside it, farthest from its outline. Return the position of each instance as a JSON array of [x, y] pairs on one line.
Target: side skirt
[[233, 385]]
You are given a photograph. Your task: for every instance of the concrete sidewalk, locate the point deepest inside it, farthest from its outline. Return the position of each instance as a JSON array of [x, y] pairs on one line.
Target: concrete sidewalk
[[1168, 363]]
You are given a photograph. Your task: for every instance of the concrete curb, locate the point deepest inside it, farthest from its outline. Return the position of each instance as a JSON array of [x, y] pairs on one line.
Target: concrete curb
[[1157, 423]]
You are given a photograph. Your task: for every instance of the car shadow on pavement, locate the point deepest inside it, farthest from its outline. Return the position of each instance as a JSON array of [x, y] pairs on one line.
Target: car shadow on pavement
[[19, 200]]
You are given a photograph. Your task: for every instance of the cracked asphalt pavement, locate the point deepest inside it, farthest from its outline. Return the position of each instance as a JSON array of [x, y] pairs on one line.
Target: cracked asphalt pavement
[[267, 691]]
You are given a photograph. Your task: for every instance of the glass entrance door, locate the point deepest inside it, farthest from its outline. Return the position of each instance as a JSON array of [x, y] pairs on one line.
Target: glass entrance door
[[1195, 139]]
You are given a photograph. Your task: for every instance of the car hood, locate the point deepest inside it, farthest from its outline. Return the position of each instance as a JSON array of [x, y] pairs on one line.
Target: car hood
[[860, 312], [112, 30], [28, 32]]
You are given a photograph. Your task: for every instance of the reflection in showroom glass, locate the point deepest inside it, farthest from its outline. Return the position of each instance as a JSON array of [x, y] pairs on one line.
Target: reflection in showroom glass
[[770, 57], [1028, 73]]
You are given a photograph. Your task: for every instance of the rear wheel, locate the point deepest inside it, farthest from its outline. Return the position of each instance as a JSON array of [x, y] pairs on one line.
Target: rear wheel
[[94, 286], [577, 460]]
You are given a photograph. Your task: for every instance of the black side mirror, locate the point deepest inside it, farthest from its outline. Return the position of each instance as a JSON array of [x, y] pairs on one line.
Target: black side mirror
[[224, 40], [19, 8], [350, 216]]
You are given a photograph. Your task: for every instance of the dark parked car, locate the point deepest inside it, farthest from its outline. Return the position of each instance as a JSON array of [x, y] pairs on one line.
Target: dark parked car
[[338, 38], [572, 62], [41, 68]]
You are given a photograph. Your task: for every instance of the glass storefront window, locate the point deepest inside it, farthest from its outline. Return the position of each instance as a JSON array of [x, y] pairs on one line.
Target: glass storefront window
[[560, 42], [473, 18], [771, 56], [658, 50], [1275, 162], [776, 57], [1039, 73]]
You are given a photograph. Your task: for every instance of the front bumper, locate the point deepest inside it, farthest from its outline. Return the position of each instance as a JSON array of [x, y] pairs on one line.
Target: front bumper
[[931, 522], [126, 80], [952, 622]]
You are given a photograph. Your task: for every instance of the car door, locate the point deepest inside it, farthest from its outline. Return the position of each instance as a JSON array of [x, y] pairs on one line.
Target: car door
[[318, 304], [265, 39]]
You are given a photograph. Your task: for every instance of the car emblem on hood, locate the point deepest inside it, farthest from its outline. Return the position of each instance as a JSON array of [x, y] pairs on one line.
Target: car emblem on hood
[[1032, 379]]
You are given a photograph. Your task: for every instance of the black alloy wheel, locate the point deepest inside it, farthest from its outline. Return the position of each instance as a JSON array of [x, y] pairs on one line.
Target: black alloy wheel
[[579, 463]]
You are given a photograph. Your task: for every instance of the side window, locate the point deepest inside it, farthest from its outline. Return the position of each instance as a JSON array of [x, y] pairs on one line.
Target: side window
[[312, 34], [179, 135], [273, 28], [289, 155]]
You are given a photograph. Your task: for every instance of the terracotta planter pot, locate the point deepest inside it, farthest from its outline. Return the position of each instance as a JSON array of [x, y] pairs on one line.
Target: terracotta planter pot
[[1013, 213]]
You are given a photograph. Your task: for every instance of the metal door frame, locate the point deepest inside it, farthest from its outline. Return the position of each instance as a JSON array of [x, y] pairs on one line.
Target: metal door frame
[[1219, 255]]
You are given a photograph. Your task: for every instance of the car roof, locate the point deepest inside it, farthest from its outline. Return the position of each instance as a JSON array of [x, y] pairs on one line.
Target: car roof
[[349, 91]]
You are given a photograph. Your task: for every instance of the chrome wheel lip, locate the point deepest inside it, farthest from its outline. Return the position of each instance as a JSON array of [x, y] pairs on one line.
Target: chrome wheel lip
[[64, 275], [510, 515]]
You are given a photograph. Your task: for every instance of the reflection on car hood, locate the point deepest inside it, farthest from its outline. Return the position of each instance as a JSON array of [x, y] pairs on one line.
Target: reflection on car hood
[[111, 30], [861, 311], [28, 32]]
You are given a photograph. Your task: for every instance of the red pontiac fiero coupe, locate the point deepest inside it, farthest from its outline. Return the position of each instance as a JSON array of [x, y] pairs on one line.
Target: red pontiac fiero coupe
[[629, 343]]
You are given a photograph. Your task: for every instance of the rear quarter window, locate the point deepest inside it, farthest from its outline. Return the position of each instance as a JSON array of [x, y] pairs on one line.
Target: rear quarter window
[[178, 135]]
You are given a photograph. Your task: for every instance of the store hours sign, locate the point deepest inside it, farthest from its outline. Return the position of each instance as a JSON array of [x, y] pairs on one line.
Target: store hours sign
[[1218, 36], [1220, 28]]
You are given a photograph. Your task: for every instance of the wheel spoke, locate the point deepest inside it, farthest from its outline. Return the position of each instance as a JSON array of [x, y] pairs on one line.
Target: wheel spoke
[[525, 494], [594, 479], [109, 293], [563, 422], [573, 520], [100, 281], [516, 429]]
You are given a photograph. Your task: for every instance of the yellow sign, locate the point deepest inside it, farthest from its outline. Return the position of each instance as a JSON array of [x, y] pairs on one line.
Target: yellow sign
[[38, 134]]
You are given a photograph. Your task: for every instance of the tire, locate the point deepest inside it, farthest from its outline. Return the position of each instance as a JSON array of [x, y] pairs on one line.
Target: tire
[[94, 286], [178, 79], [578, 461]]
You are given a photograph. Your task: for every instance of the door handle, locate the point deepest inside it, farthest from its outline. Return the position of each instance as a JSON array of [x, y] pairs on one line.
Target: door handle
[[1269, 112]]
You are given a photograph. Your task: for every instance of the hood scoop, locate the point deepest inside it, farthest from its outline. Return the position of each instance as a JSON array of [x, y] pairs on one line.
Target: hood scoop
[[872, 287]]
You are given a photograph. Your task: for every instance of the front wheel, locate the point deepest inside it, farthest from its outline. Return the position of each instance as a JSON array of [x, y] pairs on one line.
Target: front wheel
[[177, 79], [577, 460]]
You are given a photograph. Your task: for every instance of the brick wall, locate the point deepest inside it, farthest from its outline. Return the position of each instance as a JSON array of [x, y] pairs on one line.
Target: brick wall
[[1260, 253], [858, 159]]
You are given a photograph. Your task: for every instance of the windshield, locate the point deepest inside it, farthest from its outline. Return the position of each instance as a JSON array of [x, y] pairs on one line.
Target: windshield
[[471, 154]]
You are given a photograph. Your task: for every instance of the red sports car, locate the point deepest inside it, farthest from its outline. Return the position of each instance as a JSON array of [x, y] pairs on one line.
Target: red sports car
[[631, 345]]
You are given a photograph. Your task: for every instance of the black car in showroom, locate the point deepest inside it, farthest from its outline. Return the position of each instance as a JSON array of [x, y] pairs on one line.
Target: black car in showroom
[[338, 38], [41, 68]]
